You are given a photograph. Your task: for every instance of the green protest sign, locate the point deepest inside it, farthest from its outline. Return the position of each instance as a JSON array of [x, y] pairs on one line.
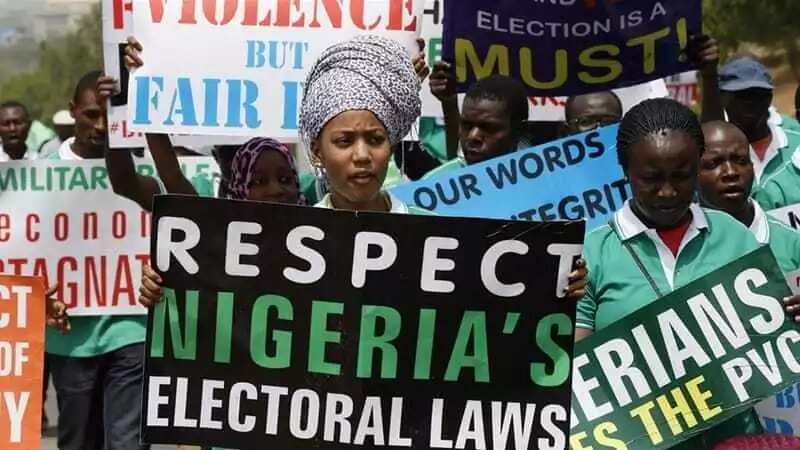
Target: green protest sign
[[688, 362]]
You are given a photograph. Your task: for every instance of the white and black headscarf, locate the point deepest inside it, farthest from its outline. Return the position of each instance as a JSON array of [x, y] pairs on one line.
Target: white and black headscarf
[[365, 73]]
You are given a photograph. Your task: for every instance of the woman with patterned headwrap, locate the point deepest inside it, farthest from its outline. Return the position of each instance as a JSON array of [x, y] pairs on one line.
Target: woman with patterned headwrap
[[360, 98]]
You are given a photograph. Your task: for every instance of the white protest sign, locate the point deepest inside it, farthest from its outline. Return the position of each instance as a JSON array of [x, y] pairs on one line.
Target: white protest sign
[[117, 27], [62, 221], [790, 215], [236, 67]]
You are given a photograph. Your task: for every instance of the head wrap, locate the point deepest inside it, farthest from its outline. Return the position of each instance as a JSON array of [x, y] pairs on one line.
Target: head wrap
[[244, 162], [368, 72]]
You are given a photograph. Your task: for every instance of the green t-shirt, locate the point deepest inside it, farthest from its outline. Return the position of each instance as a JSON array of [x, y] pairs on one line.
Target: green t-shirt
[[449, 166], [93, 335], [433, 137], [782, 188], [785, 245], [784, 142], [616, 286]]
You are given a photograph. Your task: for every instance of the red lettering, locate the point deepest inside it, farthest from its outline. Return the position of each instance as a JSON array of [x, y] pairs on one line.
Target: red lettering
[[251, 13], [143, 259], [333, 9], [119, 13], [144, 219], [95, 282], [357, 14], [90, 226], [61, 227], [5, 225], [2, 267], [70, 300], [284, 13], [210, 10], [123, 282], [119, 224], [40, 270], [187, 11], [16, 265], [30, 234], [396, 10]]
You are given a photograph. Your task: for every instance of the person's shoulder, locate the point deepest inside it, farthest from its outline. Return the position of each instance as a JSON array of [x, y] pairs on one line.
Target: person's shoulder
[[727, 232], [778, 228], [599, 238], [449, 166]]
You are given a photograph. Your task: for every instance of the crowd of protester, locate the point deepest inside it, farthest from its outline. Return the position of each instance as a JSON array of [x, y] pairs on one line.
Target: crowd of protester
[[700, 187]]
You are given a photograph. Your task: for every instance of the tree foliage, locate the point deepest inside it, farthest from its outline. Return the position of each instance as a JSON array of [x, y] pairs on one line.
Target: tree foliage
[[62, 60], [772, 24]]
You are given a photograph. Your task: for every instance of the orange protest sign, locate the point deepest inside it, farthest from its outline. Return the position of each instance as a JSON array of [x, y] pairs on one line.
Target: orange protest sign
[[22, 319]]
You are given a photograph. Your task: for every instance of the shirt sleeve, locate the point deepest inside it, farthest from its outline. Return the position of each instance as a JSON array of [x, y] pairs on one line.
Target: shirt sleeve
[[587, 306], [770, 196]]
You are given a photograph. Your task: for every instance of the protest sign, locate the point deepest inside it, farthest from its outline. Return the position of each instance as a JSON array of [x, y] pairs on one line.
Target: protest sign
[[62, 221], [236, 67], [117, 27], [570, 46], [790, 215], [781, 413], [22, 316], [291, 327], [688, 362], [570, 179], [684, 88]]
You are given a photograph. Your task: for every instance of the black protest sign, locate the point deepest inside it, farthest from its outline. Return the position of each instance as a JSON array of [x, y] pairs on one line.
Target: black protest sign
[[286, 327]]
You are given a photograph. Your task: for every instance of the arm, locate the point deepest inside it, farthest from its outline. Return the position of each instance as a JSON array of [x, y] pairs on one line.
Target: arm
[[169, 170], [443, 87], [119, 163], [704, 52]]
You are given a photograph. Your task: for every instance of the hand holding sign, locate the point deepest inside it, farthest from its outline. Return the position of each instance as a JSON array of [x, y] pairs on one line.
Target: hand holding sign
[[56, 311]]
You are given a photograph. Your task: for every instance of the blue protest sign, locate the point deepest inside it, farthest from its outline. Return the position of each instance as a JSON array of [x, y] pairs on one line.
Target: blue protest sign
[[568, 47], [570, 179]]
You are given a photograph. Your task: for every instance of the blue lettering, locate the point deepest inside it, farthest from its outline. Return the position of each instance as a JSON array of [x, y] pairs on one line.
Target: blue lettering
[[291, 92], [255, 54], [211, 86], [142, 116], [236, 105], [186, 110]]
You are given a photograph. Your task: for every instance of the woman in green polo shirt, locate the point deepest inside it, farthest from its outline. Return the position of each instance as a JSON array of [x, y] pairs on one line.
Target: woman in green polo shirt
[[659, 240]]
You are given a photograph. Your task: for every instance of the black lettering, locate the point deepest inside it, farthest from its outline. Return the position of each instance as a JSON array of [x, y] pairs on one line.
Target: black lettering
[[544, 213], [526, 171], [594, 203], [469, 185], [592, 140], [576, 145], [527, 215], [431, 202], [610, 196], [552, 155], [621, 185], [455, 197], [504, 172], [794, 221], [577, 208]]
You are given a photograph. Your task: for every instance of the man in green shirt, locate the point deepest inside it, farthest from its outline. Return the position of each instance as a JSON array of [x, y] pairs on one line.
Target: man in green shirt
[[746, 90], [783, 187], [491, 123], [724, 183], [97, 368]]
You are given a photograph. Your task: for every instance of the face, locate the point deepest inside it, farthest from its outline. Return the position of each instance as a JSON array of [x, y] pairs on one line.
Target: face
[[354, 149], [14, 127], [726, 172], [592, 111], [662, 169], [748, 109], [90, 123], [486, 130], [273, 180]]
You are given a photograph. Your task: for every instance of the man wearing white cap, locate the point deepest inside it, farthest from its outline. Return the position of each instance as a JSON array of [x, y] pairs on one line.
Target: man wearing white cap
[[64, 125]]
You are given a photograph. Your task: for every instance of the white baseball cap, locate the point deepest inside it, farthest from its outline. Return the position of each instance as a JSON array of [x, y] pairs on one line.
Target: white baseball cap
[[63, 117]]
